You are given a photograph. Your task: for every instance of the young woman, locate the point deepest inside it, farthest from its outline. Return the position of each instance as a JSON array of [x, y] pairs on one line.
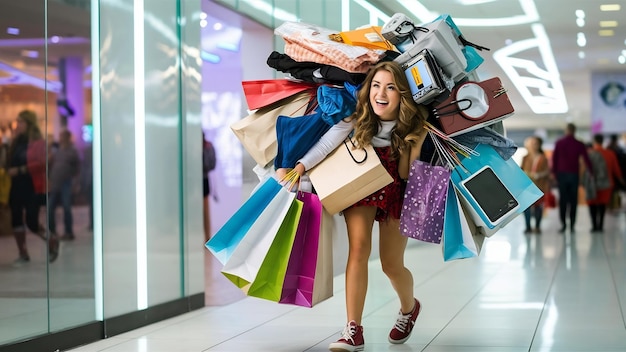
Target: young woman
[[26, 164], [387, 118], [536, 166]]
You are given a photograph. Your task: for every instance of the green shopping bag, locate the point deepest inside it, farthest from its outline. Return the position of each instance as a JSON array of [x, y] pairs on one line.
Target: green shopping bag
[[268, 283], [245, 261]]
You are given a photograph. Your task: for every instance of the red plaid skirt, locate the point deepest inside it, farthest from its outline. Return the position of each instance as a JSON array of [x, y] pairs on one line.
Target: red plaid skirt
[[388, 199]]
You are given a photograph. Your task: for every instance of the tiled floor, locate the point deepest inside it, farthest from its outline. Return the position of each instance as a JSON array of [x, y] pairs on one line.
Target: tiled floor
[[549, 292]]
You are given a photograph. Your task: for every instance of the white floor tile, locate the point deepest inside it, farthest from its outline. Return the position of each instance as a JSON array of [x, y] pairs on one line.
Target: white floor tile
[[549, 292]]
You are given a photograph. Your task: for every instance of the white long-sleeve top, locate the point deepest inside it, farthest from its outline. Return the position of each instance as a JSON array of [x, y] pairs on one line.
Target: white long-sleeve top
[[336, 135]]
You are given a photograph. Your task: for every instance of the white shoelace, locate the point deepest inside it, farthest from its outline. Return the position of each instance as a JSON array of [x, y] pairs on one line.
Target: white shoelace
[[403, 321], [348, 332]]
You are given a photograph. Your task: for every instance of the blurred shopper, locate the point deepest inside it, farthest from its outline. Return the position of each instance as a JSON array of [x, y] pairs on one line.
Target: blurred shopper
[[616, 199], [209, 162], [606, 174], [63, 165], [535, 165], [26, 164], [566, 159]]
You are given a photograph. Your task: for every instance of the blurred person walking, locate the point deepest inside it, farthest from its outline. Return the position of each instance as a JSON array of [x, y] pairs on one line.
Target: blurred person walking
[[535, 165], [606, 175], [64, 165], [26, 164], [566, 166]]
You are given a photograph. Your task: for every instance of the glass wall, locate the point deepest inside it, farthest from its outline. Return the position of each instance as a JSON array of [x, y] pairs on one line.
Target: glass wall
[[100, 189], [46, 239]]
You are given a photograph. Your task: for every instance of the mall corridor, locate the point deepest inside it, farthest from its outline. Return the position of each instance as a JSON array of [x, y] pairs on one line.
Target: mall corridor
[[548, 292]]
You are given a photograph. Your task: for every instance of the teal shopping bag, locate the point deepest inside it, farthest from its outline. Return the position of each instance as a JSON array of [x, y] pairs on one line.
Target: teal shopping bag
[[245, 261], [224, 242], [509, 178], [461, 237]]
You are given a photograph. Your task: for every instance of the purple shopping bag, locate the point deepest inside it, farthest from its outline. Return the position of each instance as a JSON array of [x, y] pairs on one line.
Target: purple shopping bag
[[306, 280], [424, 202]]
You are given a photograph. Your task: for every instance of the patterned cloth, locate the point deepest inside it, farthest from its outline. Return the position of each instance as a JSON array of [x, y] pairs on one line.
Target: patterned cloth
[[389, 199], [309, 43]]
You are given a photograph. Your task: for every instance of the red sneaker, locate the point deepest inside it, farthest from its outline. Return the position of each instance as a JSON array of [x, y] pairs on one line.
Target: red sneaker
[[404, 325], [351, 339]]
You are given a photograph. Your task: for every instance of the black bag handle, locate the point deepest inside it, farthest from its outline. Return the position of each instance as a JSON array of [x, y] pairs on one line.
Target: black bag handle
[[350, 151], [466, 42], [438, 112]]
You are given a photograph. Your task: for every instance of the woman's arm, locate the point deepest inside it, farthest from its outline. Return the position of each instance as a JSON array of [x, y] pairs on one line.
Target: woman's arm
[[411, 154], [327, 143]]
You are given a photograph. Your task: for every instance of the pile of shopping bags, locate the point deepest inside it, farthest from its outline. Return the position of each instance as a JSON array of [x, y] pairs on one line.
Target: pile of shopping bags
[[468, 195], [277, 247], [274, 247]]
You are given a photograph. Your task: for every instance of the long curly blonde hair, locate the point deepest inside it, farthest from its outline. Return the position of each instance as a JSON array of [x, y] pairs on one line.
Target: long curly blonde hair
[[411, 116]]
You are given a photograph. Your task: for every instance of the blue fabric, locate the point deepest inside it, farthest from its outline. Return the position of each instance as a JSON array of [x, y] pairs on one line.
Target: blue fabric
[[296, 135], [353, 89], [514, 178], [335, 104], [485, 135], [224, 242]]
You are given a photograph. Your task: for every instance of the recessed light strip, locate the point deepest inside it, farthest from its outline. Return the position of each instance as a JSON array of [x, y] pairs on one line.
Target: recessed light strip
[[551, 98]]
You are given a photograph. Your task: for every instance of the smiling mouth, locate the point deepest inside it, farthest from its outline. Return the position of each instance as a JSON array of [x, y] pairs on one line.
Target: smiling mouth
[[382, 102]]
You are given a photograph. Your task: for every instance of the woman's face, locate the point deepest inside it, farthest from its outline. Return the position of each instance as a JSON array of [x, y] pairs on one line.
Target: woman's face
[[384, 96], [532, 144], [20, 126]]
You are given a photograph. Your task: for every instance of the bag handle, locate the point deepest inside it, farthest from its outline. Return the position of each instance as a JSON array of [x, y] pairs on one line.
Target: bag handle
[[438, 111], [466, 42], [350, 151], [290, 179]]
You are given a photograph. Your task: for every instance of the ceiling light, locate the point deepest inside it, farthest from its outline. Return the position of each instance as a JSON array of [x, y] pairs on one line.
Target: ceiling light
[[623, 52], [541, 88], [606, 32], [581, 54], [580, 22], [607, 24], [423, 14], [13, 31], [621, 59], [580, 14], [209, 57], [581, 40], [55, 39], [273, 11], [33, 54], [610, 7]]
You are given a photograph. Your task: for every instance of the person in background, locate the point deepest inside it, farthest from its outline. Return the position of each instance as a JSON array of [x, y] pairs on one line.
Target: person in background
[[387, 118], [607, 174], [535, 165], [615, 204], [208, 164], [64, 167], [566, 166], [26, 164]]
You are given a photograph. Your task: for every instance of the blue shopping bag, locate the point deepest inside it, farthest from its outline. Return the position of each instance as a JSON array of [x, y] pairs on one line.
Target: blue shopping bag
[[461, 237], [506, 176], [224, 242]]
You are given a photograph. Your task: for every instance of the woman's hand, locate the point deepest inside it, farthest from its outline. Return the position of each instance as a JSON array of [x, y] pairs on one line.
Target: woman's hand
[[281, 173]]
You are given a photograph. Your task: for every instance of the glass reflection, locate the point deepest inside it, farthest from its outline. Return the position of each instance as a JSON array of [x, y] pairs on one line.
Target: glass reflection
[[46, 243]]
